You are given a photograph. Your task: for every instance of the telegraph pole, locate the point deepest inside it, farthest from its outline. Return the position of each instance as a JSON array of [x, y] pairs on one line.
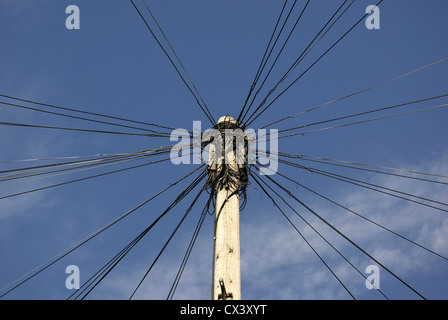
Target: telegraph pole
[[226, 253]]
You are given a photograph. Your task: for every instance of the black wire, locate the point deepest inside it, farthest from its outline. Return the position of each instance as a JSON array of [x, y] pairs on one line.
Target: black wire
[[302, 133], [312, 65], [353, 93], [85, 112], [85, 240], [317, 232], [262, 63], [208, 115], [279, 53], [350, 180], [105, 267], [365, 121], [357, 168], [81, 179], [82, 130], [147, 153], [365, 112], [303, 237], [345, 237], [46, 169], [190, 248], [361, 216], [93, 176], [65, 163], [312, 44], [307, 50], [74, 169], [59, 158], [91, 281], [169, 239], [366, 184], [178, 59], [104, 271], [155, 152], [81, 118], [376, 166], [130, 246]]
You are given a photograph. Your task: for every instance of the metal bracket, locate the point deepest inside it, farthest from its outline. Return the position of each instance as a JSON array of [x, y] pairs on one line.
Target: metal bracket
[[224, 295]]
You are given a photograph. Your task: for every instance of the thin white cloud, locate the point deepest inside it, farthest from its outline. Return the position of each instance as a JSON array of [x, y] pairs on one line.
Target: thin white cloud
[[278, 250], [278, 264]]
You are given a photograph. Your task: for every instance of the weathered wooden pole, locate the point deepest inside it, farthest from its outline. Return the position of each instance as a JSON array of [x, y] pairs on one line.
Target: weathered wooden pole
[[226, 254]]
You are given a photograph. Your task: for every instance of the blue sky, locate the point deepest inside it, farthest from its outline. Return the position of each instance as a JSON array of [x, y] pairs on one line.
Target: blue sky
[[112, 65]]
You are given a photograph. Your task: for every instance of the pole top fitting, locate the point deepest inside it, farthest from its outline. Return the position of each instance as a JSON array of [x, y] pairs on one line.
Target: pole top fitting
[[227, 119]]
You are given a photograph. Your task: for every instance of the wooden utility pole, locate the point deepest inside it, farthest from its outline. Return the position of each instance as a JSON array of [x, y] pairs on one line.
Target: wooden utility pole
[[226, 254]]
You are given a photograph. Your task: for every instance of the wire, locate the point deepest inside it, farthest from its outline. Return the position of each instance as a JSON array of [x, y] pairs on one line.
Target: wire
[[366, 112], [42, 168], [303, 237], [279, 53], [363, 169], [117, 158], [306, 51], [368, 120], [64, 171], [356, 122], [178, 59], [81, 118], [376, 166], [345, 237], [82, 130], [75, 246], [110, 265], [312, 65], [168, 241], [262, 63], [62, 158], [354, 93], [207, 113], [85, 112], [81, 179], [323, 238], [190, 248], [95, 279], [366, 184], [300, 156], [129, 247], [46, 169], [361, 216]]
